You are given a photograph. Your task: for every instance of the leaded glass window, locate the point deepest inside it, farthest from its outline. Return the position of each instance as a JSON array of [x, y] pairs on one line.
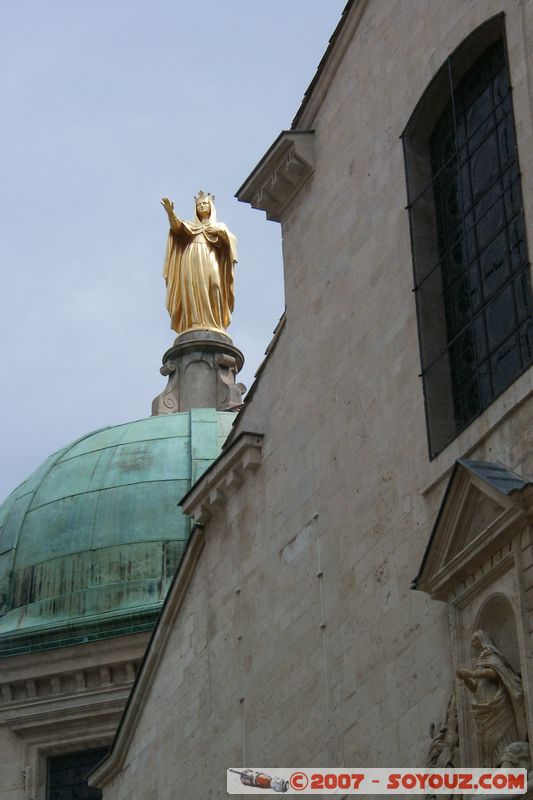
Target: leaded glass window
[[67, 776], [469, 244]]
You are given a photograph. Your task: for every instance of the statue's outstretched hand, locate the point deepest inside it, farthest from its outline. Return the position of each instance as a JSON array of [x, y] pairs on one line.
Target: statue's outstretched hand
[[463, 673], [168, 205]]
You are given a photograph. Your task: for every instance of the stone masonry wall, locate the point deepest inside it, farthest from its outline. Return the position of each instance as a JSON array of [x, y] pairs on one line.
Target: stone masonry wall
[[12, 749]]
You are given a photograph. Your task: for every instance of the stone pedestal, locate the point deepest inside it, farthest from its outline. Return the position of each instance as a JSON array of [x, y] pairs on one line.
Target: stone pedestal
[[201, 368]]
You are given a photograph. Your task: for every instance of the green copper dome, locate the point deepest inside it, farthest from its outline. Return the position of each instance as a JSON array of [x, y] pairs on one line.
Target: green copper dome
[[90, 542]]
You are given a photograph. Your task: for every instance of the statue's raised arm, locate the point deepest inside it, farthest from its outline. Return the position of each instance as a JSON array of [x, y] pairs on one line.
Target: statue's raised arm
[[199, 269]]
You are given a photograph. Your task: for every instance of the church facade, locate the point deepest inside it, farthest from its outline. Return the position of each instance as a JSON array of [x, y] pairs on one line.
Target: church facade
[[360, 572], [359, 575]]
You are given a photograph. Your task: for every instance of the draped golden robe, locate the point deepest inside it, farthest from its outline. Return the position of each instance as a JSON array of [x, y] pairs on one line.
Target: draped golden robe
[[198, 270]]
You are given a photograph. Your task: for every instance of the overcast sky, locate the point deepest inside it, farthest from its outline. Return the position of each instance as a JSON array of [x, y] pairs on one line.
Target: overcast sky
[[107, 106]]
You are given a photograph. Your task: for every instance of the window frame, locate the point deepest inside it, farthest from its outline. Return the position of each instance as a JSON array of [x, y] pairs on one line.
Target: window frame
[[442, 423], [98, 754]]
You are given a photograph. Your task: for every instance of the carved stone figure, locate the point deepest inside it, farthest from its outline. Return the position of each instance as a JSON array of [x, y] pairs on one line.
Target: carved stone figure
[[516, 756], [498, 704], [199, 265], [443, 750]]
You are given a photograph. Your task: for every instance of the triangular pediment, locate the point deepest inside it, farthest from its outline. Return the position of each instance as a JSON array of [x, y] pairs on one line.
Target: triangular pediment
[[480, 508], [477, 511]]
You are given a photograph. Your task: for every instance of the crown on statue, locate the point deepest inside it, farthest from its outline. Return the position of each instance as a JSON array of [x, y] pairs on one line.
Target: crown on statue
[[203, 196]]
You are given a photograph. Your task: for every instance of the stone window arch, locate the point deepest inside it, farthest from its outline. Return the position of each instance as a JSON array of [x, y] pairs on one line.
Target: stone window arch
[[470, 256]]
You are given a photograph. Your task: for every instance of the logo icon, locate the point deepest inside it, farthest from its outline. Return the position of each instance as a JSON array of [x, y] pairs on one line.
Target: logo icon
[[261, 780]]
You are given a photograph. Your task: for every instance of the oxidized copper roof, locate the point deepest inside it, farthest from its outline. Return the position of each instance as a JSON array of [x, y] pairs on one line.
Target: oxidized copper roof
[[90, 542]]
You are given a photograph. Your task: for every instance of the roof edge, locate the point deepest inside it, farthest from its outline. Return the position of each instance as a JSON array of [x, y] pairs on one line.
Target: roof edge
[[327, 67], [257, 380], [79, 631], [289, 161]]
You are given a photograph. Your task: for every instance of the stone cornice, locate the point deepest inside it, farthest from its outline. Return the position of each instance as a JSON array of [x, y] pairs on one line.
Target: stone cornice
[[222, 476], [114, 762], [469, 561], [290, 160], [102, 710], [456, 550], [32, 703], [280, 174]]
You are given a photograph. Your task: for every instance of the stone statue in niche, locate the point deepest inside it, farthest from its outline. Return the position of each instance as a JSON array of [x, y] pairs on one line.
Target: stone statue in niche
[[498, 699]]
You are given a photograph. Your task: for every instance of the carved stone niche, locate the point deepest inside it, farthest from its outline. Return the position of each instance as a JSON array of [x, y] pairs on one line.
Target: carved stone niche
[[479, 560]]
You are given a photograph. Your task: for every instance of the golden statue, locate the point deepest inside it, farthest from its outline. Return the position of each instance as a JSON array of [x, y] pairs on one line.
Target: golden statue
[[198, 271]]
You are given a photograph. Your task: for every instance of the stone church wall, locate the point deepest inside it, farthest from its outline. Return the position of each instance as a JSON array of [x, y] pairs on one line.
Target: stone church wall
[[300, 641], [11, 747]]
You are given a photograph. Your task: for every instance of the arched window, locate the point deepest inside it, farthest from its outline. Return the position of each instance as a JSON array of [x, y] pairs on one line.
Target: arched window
[[470, 256]]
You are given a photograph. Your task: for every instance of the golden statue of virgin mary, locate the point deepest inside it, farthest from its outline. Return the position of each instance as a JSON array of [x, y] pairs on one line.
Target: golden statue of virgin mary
[[198, 271]]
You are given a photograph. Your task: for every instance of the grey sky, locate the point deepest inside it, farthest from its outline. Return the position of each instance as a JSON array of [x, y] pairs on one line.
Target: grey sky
[[107, 106]]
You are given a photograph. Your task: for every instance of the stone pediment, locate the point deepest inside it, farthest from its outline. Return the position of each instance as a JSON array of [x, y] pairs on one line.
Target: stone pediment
[[483, 506]]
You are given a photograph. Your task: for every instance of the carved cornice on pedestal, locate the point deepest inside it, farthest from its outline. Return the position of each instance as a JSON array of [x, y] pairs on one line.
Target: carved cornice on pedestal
[[280, 174], [201, 368]]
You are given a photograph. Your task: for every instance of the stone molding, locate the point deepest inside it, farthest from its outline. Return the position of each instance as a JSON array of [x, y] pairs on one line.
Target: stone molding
[[39, 748], [220, 480], [457, 550], [65, 693], [290, 160], [280, 174], [154, 653]]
